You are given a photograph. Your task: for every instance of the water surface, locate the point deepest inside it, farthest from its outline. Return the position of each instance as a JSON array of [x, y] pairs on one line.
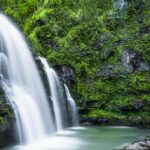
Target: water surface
[[88, 138]]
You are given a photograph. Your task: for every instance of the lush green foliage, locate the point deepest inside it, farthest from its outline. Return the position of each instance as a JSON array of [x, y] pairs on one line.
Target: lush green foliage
[[88, 35]]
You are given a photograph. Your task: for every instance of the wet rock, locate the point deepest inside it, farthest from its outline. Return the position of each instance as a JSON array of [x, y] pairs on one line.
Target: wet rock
[[8, 133], [132, 61], [126, 59], [140, 145], [66, 73], [139, 64]]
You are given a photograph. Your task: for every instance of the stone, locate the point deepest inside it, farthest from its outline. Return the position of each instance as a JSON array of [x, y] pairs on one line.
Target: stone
[[66, 73], [138, 146], [126, 59], [132, 62]]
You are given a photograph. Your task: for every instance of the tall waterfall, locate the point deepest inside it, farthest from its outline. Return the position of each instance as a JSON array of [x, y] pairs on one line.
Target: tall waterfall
[[54, 90], [74, 113], [22, 84]]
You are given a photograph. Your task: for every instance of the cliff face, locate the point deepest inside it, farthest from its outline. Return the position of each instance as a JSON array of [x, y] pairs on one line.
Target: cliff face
[[7, 122], [99, 47]]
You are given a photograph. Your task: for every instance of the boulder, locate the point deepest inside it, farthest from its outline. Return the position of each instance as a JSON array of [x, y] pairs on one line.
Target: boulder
[[126, 59], [132, 61], [139, 145]]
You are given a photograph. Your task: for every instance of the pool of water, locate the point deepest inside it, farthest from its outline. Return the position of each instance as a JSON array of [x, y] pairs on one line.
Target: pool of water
[[88, 138]]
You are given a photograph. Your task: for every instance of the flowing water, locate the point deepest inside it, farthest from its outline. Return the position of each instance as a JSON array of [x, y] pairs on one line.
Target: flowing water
[[55, 91], [73, 107], [22, 84], [118, 9], [88, 138], [54, 85]]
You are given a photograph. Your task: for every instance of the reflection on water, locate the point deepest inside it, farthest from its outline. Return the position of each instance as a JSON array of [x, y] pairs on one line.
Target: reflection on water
[[89, 138]]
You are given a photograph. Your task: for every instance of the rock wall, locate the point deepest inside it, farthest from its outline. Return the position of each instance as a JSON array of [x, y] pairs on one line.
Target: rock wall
[[7, 122]]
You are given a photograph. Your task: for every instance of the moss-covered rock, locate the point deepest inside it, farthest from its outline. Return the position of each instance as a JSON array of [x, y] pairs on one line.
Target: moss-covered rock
[[7, 122]]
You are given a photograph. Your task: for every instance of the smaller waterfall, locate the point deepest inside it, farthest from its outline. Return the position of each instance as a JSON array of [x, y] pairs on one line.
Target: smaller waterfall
[[74, 113], [121, 4], [54, 88], [118, 8]]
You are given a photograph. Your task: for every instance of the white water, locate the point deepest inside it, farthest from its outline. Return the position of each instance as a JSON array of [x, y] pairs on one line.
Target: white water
[[119, 7], [23, 86], [54, 90], [121, 4], [73, 107]]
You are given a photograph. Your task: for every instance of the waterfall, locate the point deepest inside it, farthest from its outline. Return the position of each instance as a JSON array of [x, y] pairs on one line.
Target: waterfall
[[57, 99], [22, 84], [118, 9], [54, 85], [25, 92], [74, 113], [120, 5]]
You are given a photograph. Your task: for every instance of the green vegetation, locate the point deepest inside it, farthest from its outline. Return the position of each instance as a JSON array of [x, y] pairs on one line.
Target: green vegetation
[[98, 113], [91, 36]]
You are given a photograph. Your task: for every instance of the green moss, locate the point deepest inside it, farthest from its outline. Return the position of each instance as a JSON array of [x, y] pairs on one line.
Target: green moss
[[98, 113], [1, 120]]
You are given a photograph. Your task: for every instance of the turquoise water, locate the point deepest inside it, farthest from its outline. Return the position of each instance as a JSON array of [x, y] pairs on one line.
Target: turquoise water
[[88, 138]]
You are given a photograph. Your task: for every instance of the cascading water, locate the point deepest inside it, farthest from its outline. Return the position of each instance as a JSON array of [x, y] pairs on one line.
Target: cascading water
[[74, 113], [118, 9], [23, 86], [120, 6], [54, 88]]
